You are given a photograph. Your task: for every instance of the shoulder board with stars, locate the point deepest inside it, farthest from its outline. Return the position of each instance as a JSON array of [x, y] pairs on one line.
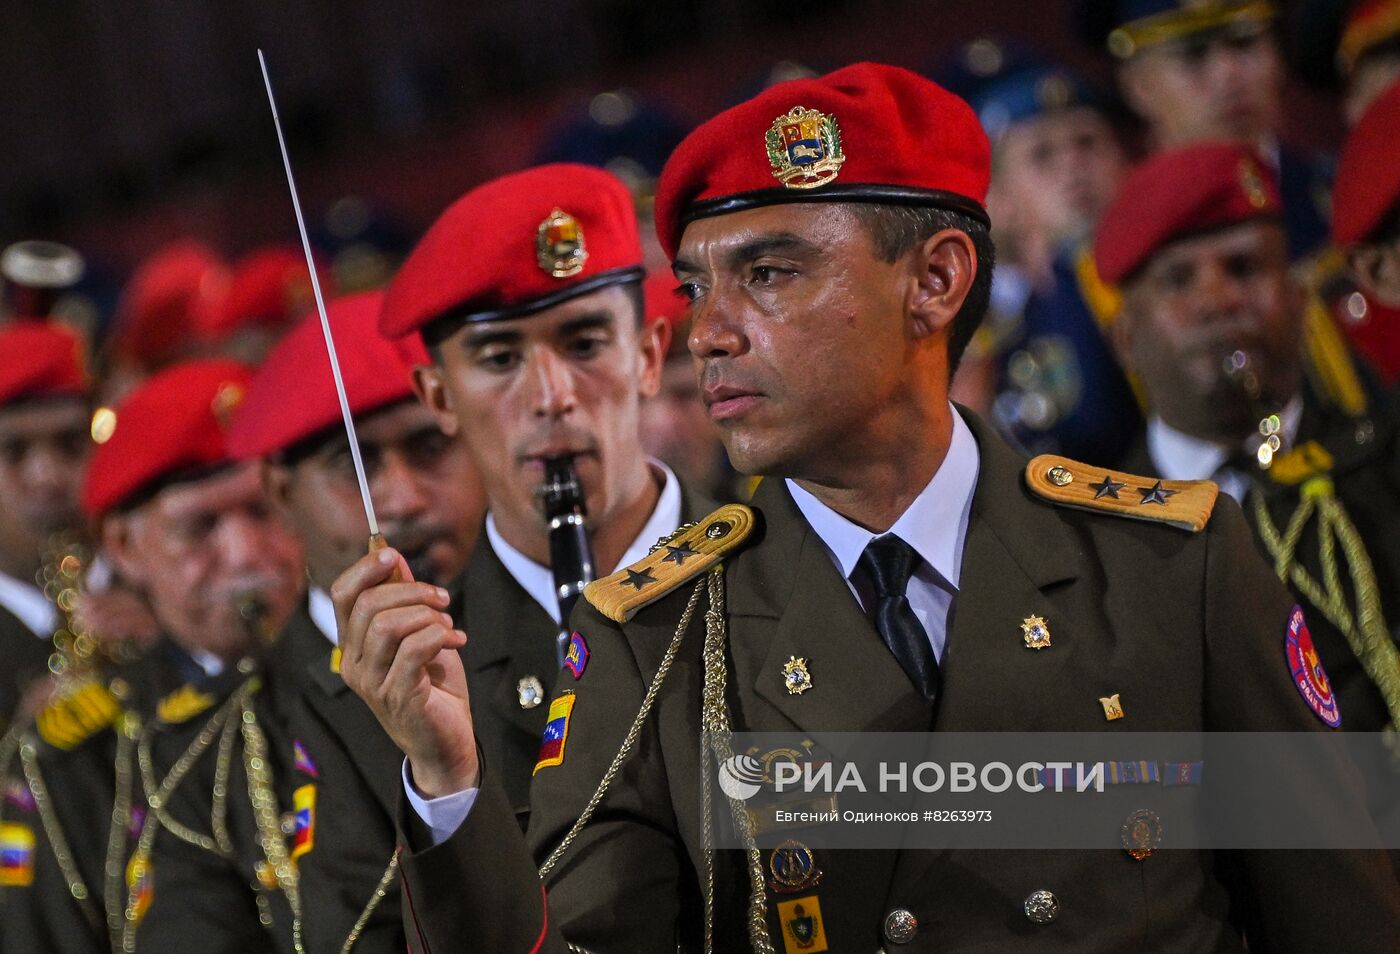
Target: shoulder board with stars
[[182, 705], [1182, 503], [69, 721], [685, 555]]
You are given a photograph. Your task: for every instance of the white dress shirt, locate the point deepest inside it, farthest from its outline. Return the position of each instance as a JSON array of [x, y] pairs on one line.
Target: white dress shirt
[[322, 612], [445, 815], [935, 525], [1179, 456], [29, 605]]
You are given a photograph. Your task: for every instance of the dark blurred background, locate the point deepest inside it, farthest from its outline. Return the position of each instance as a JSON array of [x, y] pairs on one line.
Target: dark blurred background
[[127, 124]]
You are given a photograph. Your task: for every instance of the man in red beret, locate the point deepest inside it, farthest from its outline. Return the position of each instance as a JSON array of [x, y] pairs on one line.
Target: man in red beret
[[1213, 326], [899, 568], [194, 529], [43, 446], [428, 500], [527, 291]]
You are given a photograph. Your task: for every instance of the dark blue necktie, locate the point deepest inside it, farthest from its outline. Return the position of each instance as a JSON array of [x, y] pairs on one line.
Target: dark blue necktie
[[889, 562]]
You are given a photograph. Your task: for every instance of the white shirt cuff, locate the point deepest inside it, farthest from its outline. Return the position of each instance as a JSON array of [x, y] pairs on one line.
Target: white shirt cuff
[[444, 815]]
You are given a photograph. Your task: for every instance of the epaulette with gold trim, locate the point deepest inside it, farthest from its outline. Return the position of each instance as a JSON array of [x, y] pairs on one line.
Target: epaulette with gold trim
[[1182, 503], [685, 555], [182, 705], [70, 720]]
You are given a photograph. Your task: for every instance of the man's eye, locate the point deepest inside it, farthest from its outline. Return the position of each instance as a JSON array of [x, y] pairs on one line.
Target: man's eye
[[427, 449], [586, 347], [690, 291], [767, 274], [502, 360]]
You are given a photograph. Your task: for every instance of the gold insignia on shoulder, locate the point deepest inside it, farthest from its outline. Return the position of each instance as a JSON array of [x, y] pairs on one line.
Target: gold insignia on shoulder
[[559, 247], [1112, 707], [684, 556], [804, 148], [68, 721], [1182, 503], [183, 704]]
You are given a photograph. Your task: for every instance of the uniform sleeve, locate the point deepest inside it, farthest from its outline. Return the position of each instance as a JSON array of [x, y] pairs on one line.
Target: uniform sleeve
[[617, 887], [1290, 900]]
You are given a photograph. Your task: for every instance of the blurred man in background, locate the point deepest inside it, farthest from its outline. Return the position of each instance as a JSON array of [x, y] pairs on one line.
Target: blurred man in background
[[195, 531], [1212, 70]]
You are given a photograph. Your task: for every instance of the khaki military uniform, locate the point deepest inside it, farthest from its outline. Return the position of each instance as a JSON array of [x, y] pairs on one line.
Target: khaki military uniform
[[1188, 629]]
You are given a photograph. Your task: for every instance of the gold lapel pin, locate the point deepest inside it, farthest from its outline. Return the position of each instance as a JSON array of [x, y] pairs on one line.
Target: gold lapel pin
[[796, 676], [1036, 632], [1112, 708]]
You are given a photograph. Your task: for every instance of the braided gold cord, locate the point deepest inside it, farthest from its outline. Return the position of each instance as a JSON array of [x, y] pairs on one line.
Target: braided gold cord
[[128, 728], [715, 724], [1366, 631], [380, 891], [631, 738], [265, 815], [53, 829]]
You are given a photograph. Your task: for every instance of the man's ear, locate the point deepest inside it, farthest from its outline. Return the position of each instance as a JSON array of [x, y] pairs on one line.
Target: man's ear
[[655, 342], [945, 266], [119, 542], [277, 484], [1377, 269], [431, 388]]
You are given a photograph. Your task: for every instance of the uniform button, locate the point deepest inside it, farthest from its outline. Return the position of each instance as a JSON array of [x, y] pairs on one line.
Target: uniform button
[[1042, 907], [901, 926]]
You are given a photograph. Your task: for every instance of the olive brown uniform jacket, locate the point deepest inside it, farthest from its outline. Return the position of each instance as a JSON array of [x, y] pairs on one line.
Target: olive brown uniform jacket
[[1187, 627]]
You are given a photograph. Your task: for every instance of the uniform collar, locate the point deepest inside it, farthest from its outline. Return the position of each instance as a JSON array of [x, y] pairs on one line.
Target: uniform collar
[[322, 612], [29, 605], [935, 524], [537, 580]]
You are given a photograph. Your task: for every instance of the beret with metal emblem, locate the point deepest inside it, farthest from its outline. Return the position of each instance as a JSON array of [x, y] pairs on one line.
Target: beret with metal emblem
[[1368, 172], [865, 133], [41, 360], [292, 395], [514, 246], [1178, 194], [172, 426], [1127, 27]]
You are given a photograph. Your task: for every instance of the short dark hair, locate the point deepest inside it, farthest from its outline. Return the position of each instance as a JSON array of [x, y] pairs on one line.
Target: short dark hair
[[898, 228]]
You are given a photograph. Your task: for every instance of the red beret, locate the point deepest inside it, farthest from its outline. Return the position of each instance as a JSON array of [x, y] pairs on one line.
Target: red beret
[[1368, 172], [269, 286], [173, 423], [867, 132], [38, 359], [1179, 193], [516, 245], [293, 397], [165, 299]]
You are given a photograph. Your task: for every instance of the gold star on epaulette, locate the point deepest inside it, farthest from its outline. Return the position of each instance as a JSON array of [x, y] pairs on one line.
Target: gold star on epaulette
[[182, 705], [75, 717], [1181, 503], [690, 552]]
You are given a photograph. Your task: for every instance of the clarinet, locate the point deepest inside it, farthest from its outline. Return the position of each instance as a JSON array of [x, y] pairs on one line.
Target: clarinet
[[570, 556]]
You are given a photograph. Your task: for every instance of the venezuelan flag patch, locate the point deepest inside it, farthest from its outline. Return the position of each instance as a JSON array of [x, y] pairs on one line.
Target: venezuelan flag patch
[[16, 855], [556, 732], [304, 806]]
